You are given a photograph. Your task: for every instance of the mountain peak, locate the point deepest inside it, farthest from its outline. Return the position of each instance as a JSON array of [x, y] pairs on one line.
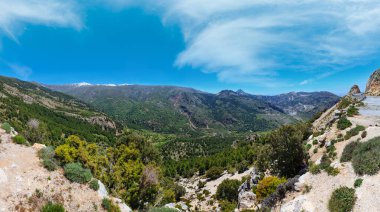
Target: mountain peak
[[373, 84]]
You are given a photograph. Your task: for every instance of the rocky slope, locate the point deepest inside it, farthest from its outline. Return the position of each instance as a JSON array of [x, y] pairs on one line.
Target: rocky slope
[[58, 113], [373, 85], [171, 109], [315, 188]]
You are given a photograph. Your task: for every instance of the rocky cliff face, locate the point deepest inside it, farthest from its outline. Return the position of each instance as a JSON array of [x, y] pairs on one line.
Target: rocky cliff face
[[373, 84], [354, 90]]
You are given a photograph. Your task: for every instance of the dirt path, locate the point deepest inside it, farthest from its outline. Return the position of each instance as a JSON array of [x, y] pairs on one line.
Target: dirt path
[[26, 186]]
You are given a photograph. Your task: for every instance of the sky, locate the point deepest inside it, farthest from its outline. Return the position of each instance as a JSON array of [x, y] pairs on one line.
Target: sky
[[260, 46]]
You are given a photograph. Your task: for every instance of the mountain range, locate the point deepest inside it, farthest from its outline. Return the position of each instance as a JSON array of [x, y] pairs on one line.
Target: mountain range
[[179, 110]]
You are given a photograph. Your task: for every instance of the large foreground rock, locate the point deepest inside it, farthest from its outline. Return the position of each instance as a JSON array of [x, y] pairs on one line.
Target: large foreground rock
[[373, 84]]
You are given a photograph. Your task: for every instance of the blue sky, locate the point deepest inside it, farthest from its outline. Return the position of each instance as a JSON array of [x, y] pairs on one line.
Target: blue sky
[[262, 47]]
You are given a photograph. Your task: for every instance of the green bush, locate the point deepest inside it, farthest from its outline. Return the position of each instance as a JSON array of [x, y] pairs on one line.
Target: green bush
[[47, 156], [366, 157], [315, 150], [228, 190], [332, 171], [214, 173], [364, 134], [94, 184], [358, 182], [315, 169], [50, 164], [267, 186], [342, 200], [76, 173], [353, 132], [19, 139], [50, 207], [108, 205], [179, 192], [7, 127], [352, 111], [348, 152], [343, 123], [315, 142]]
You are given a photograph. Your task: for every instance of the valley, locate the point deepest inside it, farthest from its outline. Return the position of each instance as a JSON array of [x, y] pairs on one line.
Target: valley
[[230, 151]]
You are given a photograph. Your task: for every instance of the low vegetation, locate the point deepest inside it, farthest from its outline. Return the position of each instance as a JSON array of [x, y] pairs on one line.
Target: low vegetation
[[214, 173], [366, 157], [352, 111], [47, 155], [348, 152], [76, 173], [353, 132], [267, 186], [19, 139], [344, 123], [228, 190], [110, 206], [94, 184], [7, 127], [51, 207], [358, 182], [342, 200]]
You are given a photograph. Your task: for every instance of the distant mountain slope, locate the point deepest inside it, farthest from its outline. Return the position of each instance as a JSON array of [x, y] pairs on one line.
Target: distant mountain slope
[[172, 109], [302, 105], [59, 113]]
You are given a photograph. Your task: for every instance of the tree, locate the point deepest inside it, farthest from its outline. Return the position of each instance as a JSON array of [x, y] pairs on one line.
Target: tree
[[228, 190]]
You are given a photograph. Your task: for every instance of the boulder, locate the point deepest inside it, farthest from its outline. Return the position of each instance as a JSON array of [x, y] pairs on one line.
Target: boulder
[[373, 84], [247, 200], [38, 146], [354, 90]]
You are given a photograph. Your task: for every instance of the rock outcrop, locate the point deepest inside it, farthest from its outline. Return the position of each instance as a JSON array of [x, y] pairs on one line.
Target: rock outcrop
[[373, 84], [354, 90]]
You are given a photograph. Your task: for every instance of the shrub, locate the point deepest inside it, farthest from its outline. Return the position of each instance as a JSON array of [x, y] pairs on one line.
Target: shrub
[[315, 142], [50, 207], [352, 111], [46, 153], [94, 184], [364, 134], [201, 184], [19, 139], [179, 192], [343, 123], [214, 173], [315, 150], [332, 171], [325, 162], [7, 127], [353, 132], [227, 206], [108, 205], [76, 173], [315, 169], [267, 186], [358, 182], [242, 166], [366, 157], [308, 147], [348, 151], [345, 102], [342, 200], [47, 156], [49, 164], [228, 190]]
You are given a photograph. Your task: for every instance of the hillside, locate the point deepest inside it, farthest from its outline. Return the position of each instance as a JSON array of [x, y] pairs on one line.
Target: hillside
[[169, 109], [23, 103]]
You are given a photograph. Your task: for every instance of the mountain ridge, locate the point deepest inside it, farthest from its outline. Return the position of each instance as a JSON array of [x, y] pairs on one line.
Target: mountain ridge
[[193, 110]]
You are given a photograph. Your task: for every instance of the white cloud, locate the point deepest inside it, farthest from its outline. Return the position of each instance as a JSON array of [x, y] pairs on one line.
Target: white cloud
[[14, 14], [251, 40], [21, 70]]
